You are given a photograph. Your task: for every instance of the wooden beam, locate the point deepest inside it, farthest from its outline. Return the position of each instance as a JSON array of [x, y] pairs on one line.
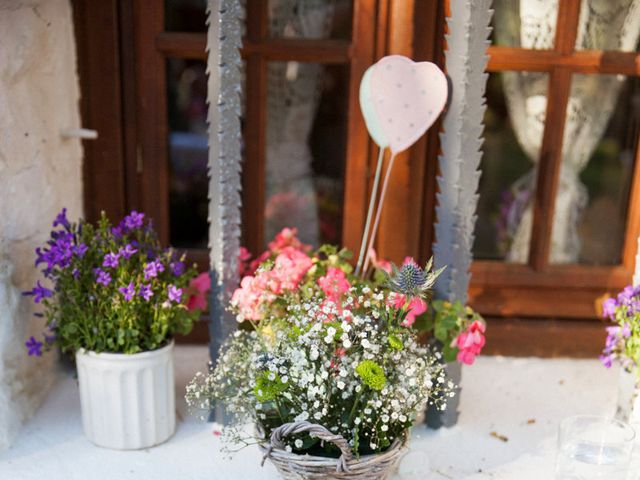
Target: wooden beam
[[516, 337], [586, 61]]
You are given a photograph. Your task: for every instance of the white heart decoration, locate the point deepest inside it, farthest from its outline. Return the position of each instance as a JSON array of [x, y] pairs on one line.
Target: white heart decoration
[[407, 97]]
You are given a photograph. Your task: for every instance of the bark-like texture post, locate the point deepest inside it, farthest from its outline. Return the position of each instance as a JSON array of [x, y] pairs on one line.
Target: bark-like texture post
[[224, 40], [461, 141]]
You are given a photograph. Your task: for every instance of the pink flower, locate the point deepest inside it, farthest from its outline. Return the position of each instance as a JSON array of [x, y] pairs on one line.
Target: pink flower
[[380, 264], [244, 267], [250, 297], [416, 306], [334, 283], [198, 288], [253, 266], [287, 238], [470, 342], [289, 268]]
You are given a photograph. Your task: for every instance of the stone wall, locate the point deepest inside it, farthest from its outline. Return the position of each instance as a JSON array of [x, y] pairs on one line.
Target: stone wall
[[40, 172]]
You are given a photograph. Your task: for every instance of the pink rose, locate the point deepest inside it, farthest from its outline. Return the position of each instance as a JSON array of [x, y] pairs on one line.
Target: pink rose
[[334, 283]]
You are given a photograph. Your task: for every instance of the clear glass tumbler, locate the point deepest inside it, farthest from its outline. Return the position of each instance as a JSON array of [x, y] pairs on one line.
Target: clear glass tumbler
[[594, 448]]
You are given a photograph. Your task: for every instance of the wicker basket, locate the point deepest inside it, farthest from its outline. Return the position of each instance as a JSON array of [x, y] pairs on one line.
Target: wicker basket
[[297, 467]]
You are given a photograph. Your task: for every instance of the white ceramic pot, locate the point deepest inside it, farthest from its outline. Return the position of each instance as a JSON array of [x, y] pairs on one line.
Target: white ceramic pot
[[128, 401]]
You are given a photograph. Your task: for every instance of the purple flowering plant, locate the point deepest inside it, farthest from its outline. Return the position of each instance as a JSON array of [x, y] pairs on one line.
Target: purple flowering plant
[[623, 338], [110, 289]]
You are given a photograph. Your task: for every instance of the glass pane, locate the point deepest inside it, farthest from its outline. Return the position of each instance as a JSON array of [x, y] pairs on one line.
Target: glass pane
[[305, 154], [527, 24], [608, 25], [188, 183], [598, 157], [310, 18], [514, 124], [185, 15]]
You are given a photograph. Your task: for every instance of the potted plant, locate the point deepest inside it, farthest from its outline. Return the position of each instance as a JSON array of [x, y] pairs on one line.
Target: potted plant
[[623, 346], [114, 298], [325, 364]]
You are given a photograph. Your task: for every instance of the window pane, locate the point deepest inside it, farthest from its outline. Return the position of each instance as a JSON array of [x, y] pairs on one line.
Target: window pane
[[305, 154], [608, 25], [514, 123], [527, 24], [310, 18], [185, 15], [598, 157], [188, 183]]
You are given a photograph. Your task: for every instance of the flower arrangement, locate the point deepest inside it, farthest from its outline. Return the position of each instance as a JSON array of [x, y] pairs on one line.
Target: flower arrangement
[[326, 347], [113, 289], [623, 338]]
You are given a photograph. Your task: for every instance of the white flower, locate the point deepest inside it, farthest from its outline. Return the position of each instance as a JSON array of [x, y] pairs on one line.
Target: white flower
[[299, 443], [346, 343], [328, 339], [324, 375], [384, 428], [357, 421], [302, 417], [317, 415], [288, 448], [340, 385], [331, 331], [402, 418]]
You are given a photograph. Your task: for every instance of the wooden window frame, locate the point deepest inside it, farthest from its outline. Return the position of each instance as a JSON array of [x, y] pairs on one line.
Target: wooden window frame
[[538, 288]]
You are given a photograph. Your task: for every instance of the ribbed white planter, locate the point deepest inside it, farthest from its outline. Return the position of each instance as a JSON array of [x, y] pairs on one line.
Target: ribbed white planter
[[628, 404], [128, 401]]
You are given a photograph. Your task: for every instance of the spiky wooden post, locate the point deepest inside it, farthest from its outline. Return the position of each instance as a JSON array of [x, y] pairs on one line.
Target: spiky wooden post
[[461, 142], [224, 89]]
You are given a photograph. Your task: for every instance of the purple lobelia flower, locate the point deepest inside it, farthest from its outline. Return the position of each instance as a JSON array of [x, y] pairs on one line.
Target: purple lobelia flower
[[174, 293], [133, 220], [80, 250], [177, 268], [34, 347], [127, 251], [129, 291], [61, 219], [146, 292], [609, 308], [152, 269], [102, 277], [39, 292], [111, 260]]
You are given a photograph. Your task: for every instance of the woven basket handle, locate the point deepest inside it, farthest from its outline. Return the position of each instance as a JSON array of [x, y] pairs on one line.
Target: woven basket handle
[[314, 430]]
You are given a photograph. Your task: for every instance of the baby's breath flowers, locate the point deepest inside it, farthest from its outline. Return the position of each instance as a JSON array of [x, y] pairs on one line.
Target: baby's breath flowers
[[333, 351]]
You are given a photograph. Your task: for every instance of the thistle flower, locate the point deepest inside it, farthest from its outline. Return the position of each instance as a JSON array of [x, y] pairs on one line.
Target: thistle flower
[[413, 281], [371, 374]]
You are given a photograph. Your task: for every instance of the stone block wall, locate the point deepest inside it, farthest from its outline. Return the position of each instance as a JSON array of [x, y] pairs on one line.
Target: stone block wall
[[40, 172]]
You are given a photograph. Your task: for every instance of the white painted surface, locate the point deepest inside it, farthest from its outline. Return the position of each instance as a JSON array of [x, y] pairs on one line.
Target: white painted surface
[[499, 395], [40, 172], [127, 401]]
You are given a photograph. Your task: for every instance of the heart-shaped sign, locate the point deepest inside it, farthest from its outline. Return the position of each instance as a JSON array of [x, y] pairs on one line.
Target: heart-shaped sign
[[400, 99]]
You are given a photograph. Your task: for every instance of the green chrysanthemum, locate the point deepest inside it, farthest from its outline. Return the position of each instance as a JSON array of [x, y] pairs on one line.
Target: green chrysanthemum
[[395, 342], [267, 390], [371, 374]]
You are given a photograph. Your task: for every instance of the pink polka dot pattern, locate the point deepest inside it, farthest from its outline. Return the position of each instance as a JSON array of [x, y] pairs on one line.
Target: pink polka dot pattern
[[407, 97]]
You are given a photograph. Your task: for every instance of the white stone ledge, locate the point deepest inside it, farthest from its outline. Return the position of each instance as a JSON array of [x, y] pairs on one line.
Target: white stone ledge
[[521, 399]]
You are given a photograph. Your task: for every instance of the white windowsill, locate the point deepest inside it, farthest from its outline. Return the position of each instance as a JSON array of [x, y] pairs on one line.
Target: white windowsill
[[499, 395]]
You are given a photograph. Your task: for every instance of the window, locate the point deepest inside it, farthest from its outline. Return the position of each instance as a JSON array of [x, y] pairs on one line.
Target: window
[[558, 215]]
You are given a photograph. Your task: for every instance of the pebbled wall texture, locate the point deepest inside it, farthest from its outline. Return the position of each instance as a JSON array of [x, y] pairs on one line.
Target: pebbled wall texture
[[40, 172]]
